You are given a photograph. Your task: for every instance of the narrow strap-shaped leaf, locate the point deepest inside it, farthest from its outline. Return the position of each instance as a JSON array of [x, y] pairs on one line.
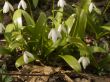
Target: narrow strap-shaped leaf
[[35, 3], [28, 18], [17, 18], [4, 51], [72, 62]]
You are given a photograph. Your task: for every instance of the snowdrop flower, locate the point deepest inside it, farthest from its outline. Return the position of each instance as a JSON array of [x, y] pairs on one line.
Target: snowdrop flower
[[61, 3], [54, 34], [26, 56], [1, 27], [7, 6], [91, 6], [84, 61], [22, 4], [61, 28]]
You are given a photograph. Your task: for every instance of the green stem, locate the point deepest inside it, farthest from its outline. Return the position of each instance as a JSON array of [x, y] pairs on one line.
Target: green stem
[[30, 8], [106, 7], [53, 14]]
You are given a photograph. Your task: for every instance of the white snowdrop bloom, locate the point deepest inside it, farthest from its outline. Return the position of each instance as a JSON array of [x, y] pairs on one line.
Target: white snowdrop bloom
[[22, 4], [1, 27], [26, 56], [7, 6], [54, 34], [91, 6], [84, 61], [61, 3], [61, 28]]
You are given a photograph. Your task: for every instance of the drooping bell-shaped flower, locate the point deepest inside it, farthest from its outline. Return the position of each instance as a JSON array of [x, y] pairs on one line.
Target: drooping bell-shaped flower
[[91, 6], [54, 34], [22, 4], [61, 3], [7, 6], [26, 56], [84, 61], [61, 28], [1, 27]]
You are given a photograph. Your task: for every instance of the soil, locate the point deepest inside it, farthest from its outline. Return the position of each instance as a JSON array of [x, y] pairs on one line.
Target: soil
[[34, 73]]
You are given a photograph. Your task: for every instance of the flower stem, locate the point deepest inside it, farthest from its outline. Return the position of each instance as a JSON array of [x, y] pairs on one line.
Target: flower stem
[[53, 13], [106, 7], [30, 8]]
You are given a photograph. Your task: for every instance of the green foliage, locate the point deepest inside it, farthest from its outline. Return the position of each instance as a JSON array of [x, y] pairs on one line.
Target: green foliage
[[35, 3], [4, 78], [72, 61], [20, 61], [25, 33], [4, 50]]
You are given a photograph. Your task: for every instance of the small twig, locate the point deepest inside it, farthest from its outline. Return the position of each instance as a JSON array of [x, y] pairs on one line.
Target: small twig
[[23, 74]]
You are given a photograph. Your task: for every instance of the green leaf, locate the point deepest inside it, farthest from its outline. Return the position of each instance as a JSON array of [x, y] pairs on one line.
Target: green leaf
[[79, 27], [9, 28], [20, 61], [58, 17], [72, 62], [95, 49], [81, 24], [35, 3], [4, 50], [8, 79], [70, 21], [28, 18], [40, 25], [15, 44], [106, 27], [42, 19], [105, 61], [17, 18], [84, 4], [79, 43]]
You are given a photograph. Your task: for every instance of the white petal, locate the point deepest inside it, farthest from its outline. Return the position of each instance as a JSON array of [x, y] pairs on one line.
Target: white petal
[[11, 7], [58, 4], [85, 62], [19, 5], [24, 5], [6, 7], [50, 34], [61, 3], [91, 7], [28, 54], [80, 59], [54, 35], [88, 60], [25, 58]]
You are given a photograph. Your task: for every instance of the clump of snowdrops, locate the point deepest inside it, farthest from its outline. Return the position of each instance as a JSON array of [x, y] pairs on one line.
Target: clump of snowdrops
[[37, 40]]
